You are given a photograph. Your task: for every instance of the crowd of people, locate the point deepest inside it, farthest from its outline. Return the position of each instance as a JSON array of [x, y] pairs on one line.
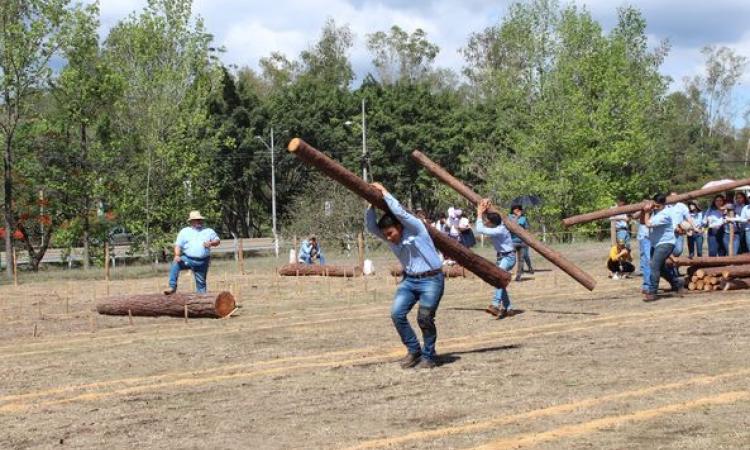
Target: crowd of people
[[664, 230]]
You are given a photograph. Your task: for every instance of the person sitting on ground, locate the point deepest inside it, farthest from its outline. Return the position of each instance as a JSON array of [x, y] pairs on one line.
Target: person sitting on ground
[[192, 250], [310, 251], [491, 224], [620, 263]]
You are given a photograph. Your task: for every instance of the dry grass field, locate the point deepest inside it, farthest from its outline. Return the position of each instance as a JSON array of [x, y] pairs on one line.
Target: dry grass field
[[309, 363]]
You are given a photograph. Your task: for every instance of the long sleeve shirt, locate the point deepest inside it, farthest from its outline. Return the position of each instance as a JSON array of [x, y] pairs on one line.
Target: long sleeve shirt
[[416, 252], [499, 235], [308, 251], [714, 218]]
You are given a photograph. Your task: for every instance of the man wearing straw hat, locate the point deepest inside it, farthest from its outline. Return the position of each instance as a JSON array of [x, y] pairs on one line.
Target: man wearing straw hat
[[192, 251]]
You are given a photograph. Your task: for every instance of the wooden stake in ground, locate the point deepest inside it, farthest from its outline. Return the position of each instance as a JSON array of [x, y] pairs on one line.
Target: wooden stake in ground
[[241, 257], [198, 305], [486, 270], [635, 207], [549, 254], [361, 251], [106, 263], [15, 268]]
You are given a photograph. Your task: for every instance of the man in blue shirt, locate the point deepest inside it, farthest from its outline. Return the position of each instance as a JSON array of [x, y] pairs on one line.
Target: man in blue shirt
[[192, 251], [309, 251], [663, 237], [423, 281], [491, 224]]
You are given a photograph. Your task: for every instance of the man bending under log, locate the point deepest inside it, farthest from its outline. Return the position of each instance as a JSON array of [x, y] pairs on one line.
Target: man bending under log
[[491, 224], [423, 280], [192, 250]]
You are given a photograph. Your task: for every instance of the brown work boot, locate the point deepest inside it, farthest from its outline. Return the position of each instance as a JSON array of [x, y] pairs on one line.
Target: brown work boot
[[426, 364], [503, 313], [170, 291], [650, 298], [492, 309], [410, 360]]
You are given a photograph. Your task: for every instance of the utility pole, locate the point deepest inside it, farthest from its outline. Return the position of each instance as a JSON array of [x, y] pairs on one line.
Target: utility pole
[[364, 143], [273, 192]]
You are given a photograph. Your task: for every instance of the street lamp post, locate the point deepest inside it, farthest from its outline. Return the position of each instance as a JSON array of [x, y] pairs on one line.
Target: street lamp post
[[349, 123], [273, 193]]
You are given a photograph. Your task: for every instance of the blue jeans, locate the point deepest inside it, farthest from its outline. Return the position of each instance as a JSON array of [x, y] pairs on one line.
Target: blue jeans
[[306, 259], [659, 268], [428, 292], [716, 243], [735, 244], [645, 250], [199, 268], [623, 234], [695, 245], [501, 295], [679, 245]]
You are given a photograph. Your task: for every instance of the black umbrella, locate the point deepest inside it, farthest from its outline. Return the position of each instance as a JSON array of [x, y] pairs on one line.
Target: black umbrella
[[527, 201]]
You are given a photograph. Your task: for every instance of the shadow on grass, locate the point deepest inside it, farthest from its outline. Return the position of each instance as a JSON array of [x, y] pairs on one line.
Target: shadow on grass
[[451, 357]]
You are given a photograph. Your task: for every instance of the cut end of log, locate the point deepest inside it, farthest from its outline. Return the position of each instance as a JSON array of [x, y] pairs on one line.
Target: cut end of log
[[294, 144], [225, 304]]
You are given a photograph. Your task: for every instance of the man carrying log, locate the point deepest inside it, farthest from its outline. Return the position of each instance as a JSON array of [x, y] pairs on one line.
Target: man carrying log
[[423, 280], [192, 250], [491, 224], [663, 236]]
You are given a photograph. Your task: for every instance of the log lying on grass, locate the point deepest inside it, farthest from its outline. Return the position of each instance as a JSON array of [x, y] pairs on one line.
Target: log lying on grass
[[481, 267], [316, 270], [449, 271], [735, 284], [198, 305], [548, 253], [710, 261]]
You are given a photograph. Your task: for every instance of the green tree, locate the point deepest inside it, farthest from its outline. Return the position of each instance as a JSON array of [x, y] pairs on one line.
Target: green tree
[[401, 56], [29, 37]]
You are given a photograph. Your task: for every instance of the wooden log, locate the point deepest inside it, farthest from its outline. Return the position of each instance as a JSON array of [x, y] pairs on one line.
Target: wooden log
[[317, 270], [691, 286], [198, 305], [635, 207], [735, 271], [708, 287], [711, 261], [699, 285], [735, 284], [454, 271], [483, 268], [549, 254]]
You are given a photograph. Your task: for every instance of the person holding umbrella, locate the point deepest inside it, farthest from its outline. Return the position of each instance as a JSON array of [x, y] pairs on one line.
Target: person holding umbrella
[[522, 250]]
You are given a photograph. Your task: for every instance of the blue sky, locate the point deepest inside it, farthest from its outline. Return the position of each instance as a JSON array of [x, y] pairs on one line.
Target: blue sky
[[251, 29]]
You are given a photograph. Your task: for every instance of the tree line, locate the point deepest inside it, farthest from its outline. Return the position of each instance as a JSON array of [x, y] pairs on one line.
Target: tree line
[[139, 126]]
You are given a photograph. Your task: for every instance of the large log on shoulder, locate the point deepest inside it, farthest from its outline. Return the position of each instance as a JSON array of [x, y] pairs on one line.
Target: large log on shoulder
[[317, 270], [198, 305], [481, 267], [635, 207], [549, 254], [710, 261]]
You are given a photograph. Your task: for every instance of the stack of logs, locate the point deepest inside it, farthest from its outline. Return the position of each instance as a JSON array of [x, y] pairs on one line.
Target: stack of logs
[[716, 273]]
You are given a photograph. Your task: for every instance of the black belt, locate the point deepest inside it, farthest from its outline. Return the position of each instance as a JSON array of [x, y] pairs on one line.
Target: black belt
[[430, 273]]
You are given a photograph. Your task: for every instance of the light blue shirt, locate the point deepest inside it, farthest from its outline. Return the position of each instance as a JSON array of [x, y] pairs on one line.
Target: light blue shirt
[[643, 232], [190, 240], [714, 218], [416, 251], [499, 235], [662, 230], [679, 212], [306, 249], [698, 219]]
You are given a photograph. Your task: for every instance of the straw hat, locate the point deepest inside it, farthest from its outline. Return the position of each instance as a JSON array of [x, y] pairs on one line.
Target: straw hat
[[195, 215]]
